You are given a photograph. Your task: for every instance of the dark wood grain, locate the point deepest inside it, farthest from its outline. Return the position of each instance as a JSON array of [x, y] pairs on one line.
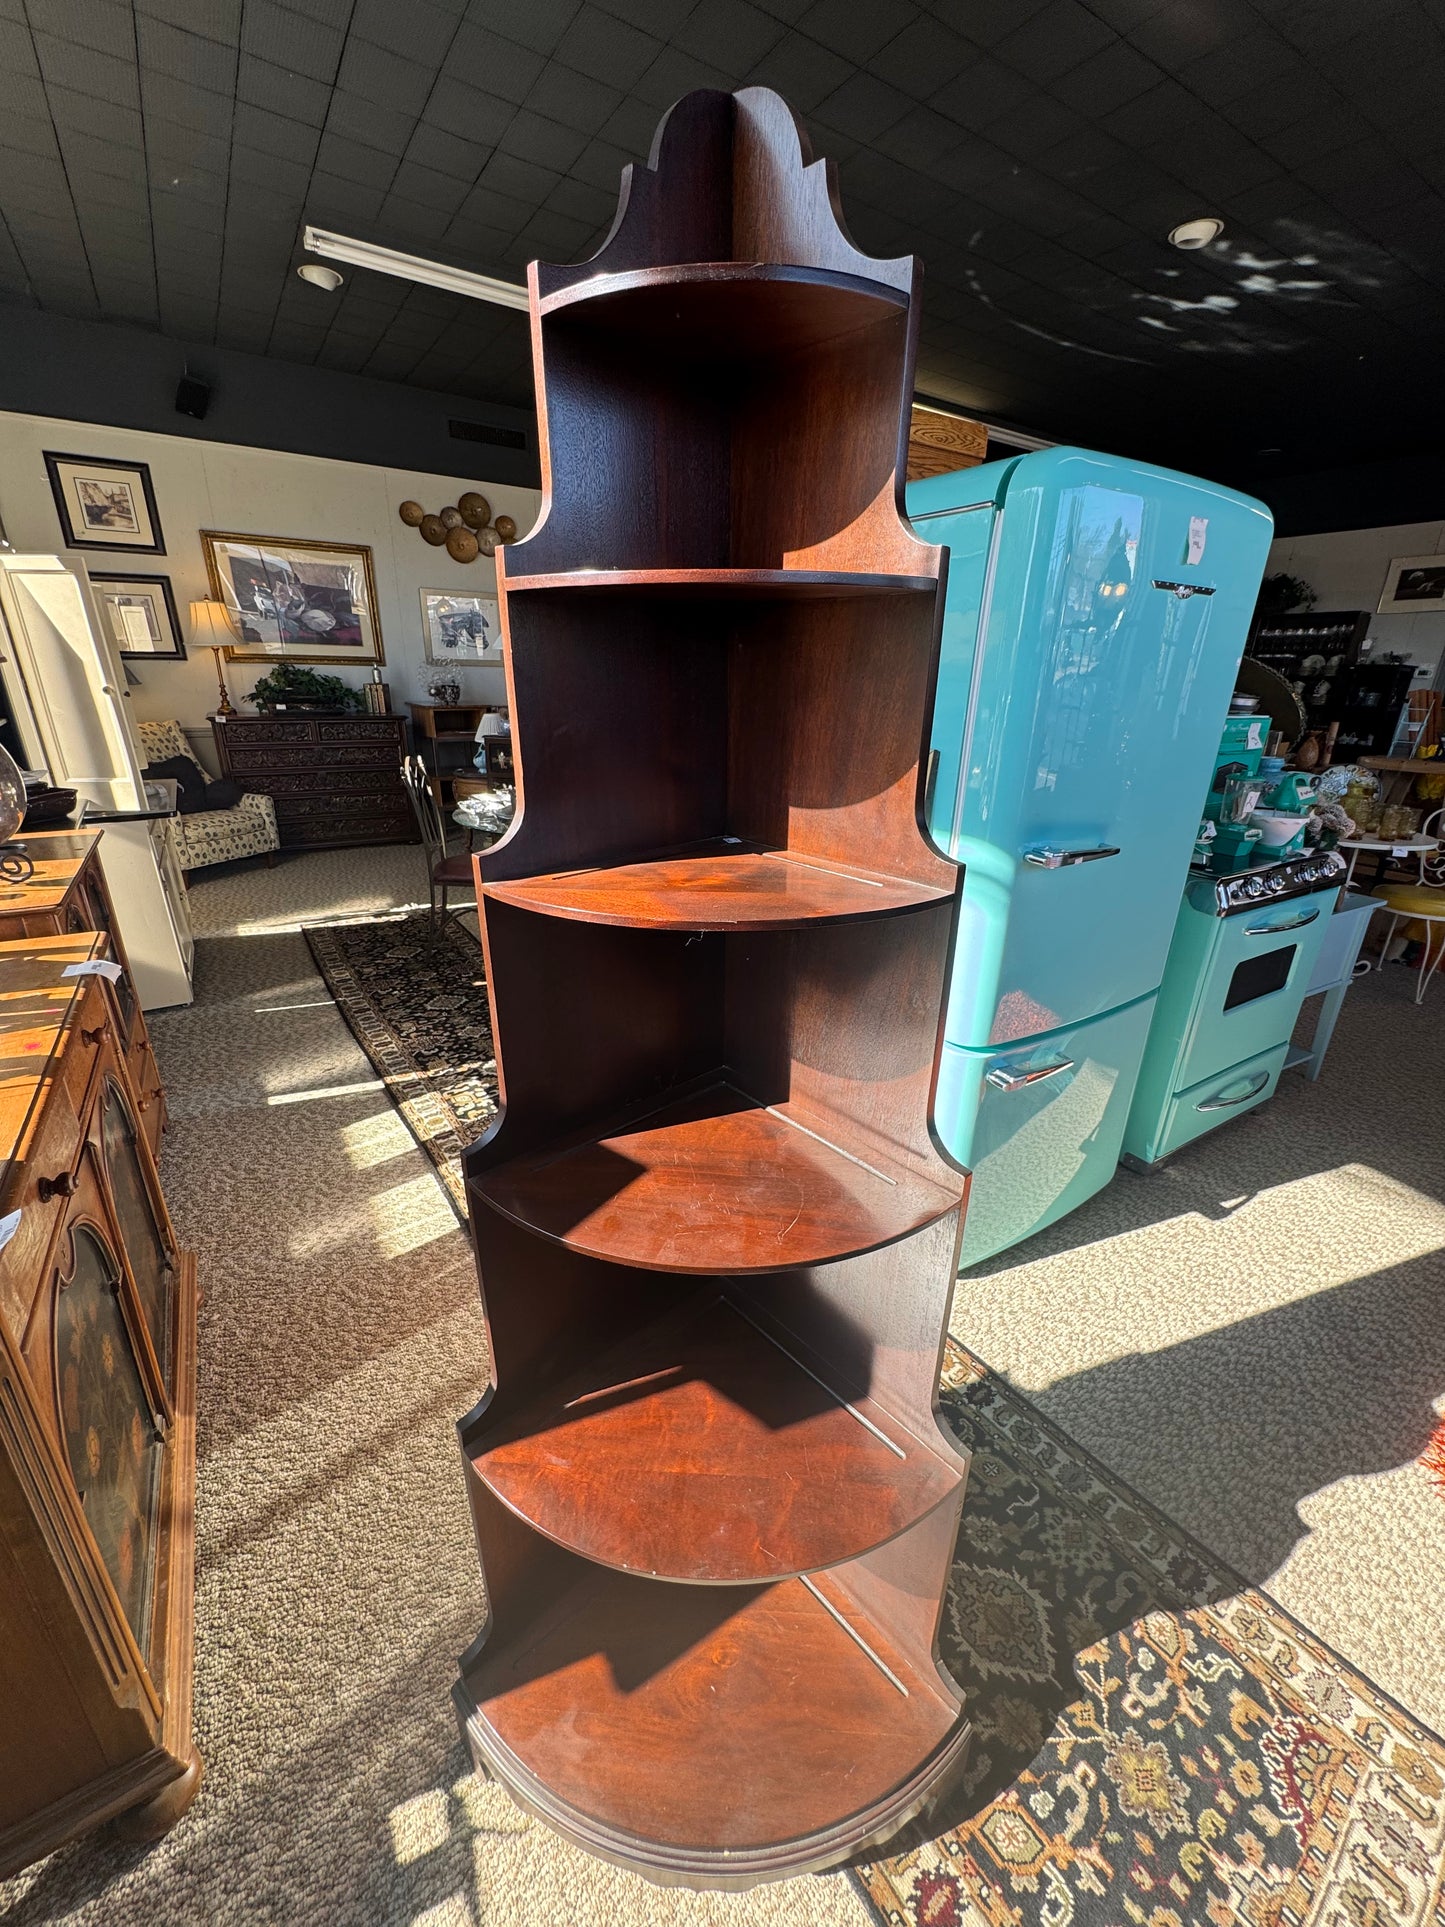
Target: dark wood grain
[[716, 1237], [334, 781]]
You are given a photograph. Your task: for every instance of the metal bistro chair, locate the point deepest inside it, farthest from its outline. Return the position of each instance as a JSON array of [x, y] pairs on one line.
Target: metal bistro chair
[[444, 873], [1422, 906]]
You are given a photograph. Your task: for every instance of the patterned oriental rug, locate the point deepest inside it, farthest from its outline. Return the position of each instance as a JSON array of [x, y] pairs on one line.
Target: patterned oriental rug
[[1156, 1744]]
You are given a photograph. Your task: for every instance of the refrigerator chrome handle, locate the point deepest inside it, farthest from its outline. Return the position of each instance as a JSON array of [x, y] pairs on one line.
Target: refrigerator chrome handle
[[1273, 929], [1003, 1079], [1047, 857], [1256, 1085]]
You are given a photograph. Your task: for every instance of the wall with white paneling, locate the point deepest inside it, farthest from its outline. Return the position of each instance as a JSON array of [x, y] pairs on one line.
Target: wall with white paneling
[[1347, 570], [258, 491]]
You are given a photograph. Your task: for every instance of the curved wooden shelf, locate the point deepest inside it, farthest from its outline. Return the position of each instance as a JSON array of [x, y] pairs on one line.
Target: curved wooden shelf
[[708, 1736], [716, 1183], [827, 585], [726, 311], [723, 885], [702, 1450]]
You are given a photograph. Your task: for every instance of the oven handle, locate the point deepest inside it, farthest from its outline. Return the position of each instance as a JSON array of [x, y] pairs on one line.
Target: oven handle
[[1257, 1084], [1047, 857], [1273, 929], [1003, 1079]]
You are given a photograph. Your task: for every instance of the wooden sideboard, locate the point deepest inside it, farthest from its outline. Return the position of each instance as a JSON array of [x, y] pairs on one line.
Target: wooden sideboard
[[65, 895], [334, 779], [97, 1428]]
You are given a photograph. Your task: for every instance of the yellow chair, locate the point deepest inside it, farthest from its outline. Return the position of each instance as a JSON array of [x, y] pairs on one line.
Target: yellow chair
[[1423, 905]]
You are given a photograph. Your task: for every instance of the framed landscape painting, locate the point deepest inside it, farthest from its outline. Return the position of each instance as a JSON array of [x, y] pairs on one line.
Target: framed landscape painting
[[460, 628], [304, 601], [105, 505], [140, 614]]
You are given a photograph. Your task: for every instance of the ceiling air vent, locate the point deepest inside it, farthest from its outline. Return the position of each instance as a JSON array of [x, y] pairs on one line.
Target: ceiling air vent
[[484, 432]]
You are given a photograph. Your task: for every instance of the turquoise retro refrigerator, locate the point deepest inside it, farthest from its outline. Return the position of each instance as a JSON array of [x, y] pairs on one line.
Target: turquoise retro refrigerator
[[1095, 615]]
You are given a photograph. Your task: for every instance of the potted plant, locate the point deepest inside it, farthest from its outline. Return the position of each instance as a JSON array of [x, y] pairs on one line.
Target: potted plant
[[289, 686]]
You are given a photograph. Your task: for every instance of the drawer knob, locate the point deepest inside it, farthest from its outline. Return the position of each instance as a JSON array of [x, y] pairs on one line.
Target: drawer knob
[[60, 1186], [94, 1033]]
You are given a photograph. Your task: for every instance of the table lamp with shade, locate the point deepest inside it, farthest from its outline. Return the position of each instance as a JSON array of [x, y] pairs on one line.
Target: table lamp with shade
[[213, 629]]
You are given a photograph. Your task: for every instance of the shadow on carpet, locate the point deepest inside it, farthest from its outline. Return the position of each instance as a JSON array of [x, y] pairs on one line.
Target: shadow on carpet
[[1156, 1744]]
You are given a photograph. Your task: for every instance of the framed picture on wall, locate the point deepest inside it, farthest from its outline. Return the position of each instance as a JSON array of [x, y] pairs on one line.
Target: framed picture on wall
[[105, 505], [139, 612], [460, 628], [305, 601], [1414, 586]]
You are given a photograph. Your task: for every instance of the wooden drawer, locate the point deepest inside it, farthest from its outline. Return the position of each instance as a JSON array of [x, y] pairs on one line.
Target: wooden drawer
[[268, 759], [377, 783], [54, 1153], [362, 729], [270, 729], [328, 827]]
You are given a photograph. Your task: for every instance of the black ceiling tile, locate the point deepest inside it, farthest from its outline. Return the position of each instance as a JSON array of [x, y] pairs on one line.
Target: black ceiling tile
[[630, 128], [409, 223], [22, 94], [503, 68], [857, 32], [986, 22], [169, 147], [981, 95], [920, 138], [461, 159], [375, 73], [186, 105], [1106, 80], [1081, 155], [492, 207], [1238, 68], [921, 58], [269, 173], [970, 163], [600, 164], [110, 28], [419, 30], [1059, 38], [1152, 116], [801, 71], [1034, 125], [332, 198], [674, 74], [426, 186], [273, 133], [350, 160], [532, 137], [1268, 109], [17, 48], [216, 19], [598, 43], [660, 17], [287, 39], [187, 57], [526, 180], [555, 237], [101, 76], [864, 106], [332, 13], [539, 25], [292, 95], [582, 202], [578, 101], [27, 134], [370, 123], [729, 33], [462, 110]]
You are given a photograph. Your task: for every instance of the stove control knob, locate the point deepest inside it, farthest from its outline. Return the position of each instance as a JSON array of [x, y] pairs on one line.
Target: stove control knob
[[1255, 886], [1278, 881]]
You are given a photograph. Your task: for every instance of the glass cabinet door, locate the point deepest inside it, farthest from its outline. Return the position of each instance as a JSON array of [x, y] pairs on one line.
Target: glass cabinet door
[[111, 1437], [98, 918], [140, 1230]]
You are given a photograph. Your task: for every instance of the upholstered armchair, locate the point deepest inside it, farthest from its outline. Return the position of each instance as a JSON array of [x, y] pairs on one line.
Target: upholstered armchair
[[212, 836]]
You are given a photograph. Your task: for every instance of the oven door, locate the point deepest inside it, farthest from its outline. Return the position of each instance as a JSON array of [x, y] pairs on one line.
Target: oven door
[[1261, 968]]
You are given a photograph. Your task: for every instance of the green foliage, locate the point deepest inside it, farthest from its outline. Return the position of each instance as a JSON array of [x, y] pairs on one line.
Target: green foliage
[[289, 683], [1279, 594]]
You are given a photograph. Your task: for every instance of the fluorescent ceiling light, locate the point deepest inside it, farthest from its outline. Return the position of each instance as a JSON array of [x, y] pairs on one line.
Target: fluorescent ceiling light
[[414, 267]]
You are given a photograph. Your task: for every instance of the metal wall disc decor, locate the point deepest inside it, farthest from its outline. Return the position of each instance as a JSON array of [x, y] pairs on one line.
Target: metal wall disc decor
[[411, 513], [433, 530], [466, 529], [475, 510], [462, 544]]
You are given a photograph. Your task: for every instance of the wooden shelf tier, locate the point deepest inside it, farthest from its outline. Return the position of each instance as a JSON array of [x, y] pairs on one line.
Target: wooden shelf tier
[[721, 885], [713, 1183], [708, 1736], [727, 1450], [762, 585], [726, 313]]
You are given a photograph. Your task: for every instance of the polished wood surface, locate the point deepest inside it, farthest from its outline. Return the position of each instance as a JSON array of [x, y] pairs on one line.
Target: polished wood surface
[[702, 1449], [712, 1495], [720, 885], [96, 1694], [59, 857], [335, 780]]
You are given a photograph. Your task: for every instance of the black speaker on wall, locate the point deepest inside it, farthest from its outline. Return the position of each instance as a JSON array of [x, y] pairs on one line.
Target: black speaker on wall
[[193, 397]]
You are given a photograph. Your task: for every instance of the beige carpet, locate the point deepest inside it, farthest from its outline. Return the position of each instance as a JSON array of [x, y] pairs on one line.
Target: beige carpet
[[1254, 1338]]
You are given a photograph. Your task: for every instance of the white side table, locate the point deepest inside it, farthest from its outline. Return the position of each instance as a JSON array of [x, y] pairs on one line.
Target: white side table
[[1416, 846], [1334, 972]]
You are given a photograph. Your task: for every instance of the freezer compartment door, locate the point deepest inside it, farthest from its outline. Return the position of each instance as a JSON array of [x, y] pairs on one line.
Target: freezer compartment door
[[1215, 1100], [1039, 1124]]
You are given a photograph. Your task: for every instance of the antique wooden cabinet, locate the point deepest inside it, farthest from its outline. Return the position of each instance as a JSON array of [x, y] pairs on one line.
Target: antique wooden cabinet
[[334, 779], [67, 894], [97, 1428], [713, 1497]]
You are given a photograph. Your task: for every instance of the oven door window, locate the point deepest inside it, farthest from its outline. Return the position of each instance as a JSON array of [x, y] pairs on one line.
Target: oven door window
[[1261, 976]]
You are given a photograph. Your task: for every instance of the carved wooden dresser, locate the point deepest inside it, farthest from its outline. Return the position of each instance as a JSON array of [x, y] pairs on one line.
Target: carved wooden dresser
[[334, 779], [97, 1427]]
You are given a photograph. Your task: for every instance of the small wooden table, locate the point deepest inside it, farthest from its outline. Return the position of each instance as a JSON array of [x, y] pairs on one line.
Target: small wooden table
[[437, 723], [1402, 771]]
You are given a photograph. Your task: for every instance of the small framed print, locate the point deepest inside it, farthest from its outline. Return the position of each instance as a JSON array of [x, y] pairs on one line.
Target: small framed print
[[1414, 586], [460, 628], [139, 612], [105, 505]]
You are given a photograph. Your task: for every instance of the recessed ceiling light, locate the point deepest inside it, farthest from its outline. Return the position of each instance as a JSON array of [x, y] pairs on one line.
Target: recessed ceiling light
[[1196, 234], [319, 276]]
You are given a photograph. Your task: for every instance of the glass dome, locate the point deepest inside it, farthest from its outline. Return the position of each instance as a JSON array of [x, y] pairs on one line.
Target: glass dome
[[12, 797]]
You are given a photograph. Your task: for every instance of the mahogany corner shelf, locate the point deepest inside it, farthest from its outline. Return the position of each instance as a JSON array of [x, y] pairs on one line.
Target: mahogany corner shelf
[[713, 1498]]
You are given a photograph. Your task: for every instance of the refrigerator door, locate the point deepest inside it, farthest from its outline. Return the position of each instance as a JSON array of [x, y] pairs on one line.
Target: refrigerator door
[[1040, 1124], [1105, 614]]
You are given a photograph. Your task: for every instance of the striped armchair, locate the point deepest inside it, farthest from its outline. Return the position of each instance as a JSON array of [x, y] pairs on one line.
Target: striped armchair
[[212, 836]]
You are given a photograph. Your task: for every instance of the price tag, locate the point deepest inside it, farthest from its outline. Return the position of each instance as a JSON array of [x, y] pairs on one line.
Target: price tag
[[1198, 534], [94, 967], [1402, 849]]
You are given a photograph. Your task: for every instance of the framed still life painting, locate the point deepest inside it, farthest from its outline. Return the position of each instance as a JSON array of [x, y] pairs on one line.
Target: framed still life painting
[[460, 628], [105, 505], [139, 612], [305, 601]]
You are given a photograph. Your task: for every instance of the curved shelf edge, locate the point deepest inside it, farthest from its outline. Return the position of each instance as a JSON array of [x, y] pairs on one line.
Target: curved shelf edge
[[717, 275], [823, 584]]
